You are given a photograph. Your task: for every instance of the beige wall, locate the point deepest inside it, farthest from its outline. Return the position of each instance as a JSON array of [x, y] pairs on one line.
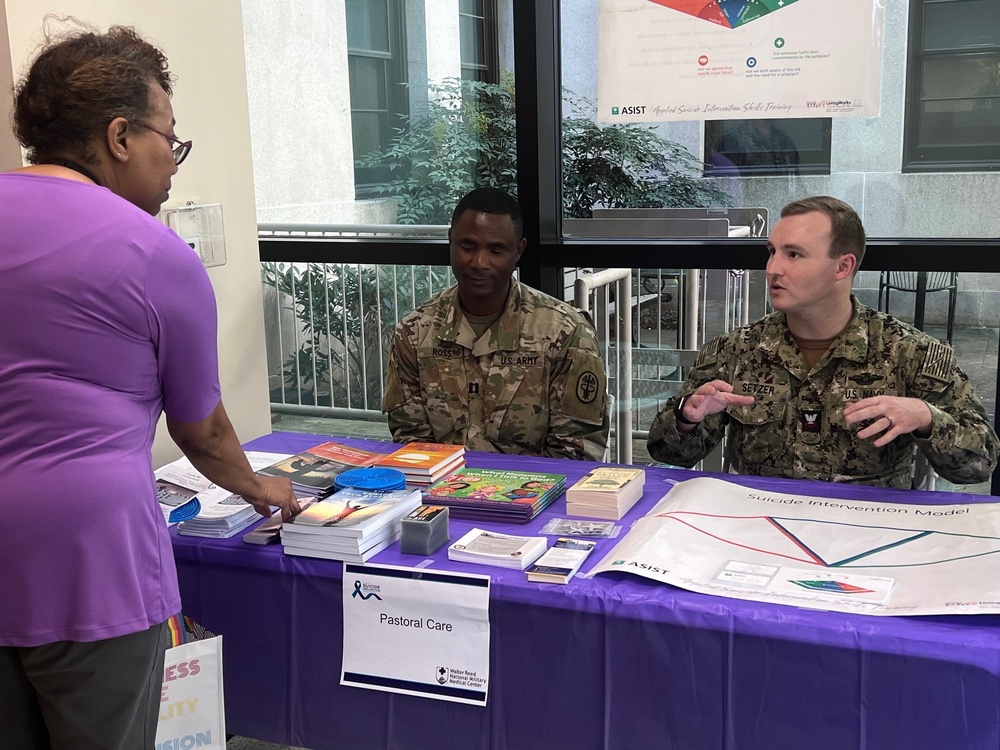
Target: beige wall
[[10, 154], [204, 43]]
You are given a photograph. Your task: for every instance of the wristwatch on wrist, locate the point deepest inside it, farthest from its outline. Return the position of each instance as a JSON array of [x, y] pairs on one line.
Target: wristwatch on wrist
[[679, 411]]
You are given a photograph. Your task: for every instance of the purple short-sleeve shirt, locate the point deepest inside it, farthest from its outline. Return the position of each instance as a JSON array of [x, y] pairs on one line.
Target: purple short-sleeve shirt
[[107, 319]]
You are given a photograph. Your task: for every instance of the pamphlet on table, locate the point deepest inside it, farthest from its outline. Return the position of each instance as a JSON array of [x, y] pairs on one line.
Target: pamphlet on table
[[179, 483], [561, 561], [493, 548]]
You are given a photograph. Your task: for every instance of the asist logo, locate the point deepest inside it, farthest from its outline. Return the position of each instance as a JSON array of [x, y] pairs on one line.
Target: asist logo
[[631, 109], [366, 592]]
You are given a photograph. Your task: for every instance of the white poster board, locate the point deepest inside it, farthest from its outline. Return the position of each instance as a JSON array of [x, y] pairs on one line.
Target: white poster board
[[721, 538], [662, 60], [417, 632]]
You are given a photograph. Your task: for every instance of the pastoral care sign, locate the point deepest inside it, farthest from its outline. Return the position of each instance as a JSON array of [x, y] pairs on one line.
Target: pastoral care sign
[[417, 632], [664, 60], [875, 558]]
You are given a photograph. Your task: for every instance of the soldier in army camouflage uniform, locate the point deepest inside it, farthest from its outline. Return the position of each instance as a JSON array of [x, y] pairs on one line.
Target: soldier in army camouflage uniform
[[491, 363], [826, 388]]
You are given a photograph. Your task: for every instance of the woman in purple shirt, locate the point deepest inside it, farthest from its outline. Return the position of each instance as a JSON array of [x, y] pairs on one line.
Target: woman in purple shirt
[[108, 320]]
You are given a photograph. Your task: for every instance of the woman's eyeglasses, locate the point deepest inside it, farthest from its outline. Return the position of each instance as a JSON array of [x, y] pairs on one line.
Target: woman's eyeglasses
[[180, 148]]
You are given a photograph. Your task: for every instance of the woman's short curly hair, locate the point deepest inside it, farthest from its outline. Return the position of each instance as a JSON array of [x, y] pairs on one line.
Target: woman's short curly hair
[[78, 83]]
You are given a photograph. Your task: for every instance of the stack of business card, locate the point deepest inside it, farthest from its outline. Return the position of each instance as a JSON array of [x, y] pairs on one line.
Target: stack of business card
[[425, 530]]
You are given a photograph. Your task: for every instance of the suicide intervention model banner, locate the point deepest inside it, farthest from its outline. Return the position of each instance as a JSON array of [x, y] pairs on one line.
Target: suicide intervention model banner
[[662, 60]]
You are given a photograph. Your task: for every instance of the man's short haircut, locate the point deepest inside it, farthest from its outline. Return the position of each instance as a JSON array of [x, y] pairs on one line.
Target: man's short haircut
[[847, 233], [490, 200]]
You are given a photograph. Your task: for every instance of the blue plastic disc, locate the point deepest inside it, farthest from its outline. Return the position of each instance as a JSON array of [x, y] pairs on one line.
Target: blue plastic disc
[[371, 479]]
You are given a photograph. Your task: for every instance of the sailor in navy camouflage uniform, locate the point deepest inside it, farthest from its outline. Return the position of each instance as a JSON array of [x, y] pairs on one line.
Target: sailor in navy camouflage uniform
[[826, 388]]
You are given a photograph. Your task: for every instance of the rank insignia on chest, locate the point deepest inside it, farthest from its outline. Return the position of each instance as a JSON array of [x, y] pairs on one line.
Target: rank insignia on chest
[[474, 388], [810, 419]]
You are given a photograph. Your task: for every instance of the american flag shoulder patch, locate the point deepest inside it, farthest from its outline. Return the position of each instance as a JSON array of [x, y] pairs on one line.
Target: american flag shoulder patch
[[708, 353], [937, 362]]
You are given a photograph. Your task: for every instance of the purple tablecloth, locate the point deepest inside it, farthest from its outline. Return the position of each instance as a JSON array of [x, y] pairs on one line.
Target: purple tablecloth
[[614, 662]]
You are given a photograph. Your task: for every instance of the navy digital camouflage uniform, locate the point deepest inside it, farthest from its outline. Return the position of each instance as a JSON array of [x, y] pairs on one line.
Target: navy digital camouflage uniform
[[795, 427], [533, 384]]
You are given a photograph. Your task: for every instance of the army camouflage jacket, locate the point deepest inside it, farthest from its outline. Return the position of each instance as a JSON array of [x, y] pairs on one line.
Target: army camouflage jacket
[[795, 427], [533, 384]]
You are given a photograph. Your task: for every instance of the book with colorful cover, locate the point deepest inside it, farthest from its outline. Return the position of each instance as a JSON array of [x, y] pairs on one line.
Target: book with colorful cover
[[352, 512], [496, 493], [315, 470], [418, 459]]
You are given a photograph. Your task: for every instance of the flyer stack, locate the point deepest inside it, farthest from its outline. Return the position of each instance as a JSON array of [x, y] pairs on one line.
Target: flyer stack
[[496, 494], [493, 548], [211, 511], [607, 492], [351, 525], [425, 463]]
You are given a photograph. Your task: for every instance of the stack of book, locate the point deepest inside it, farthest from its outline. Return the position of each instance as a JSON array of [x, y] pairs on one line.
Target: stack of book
[[496, 494], [425, 463], [605, 492], [493, 548], [351, 525], [313, 471]]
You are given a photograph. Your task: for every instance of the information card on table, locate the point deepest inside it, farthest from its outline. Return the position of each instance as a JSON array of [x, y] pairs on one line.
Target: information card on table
[[417, 632]]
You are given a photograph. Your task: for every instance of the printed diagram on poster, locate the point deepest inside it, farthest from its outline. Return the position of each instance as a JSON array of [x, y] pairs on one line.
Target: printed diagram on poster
[[662, 60], [721, 538], [417, 632]]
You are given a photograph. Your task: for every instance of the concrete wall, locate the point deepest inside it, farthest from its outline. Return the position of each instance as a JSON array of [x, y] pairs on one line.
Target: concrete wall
[[204, 43]]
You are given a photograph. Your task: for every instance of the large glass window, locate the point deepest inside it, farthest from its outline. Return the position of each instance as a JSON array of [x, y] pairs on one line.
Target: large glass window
[[953, 91]]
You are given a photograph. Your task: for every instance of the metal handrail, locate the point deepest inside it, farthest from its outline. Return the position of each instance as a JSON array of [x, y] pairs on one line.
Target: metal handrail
[[622, 278]]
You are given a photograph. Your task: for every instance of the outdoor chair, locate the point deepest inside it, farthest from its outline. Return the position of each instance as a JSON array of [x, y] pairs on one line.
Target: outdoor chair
[[906, 281]]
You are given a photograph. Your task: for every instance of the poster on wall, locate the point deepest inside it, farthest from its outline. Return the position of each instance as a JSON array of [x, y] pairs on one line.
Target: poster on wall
[[667, 60]]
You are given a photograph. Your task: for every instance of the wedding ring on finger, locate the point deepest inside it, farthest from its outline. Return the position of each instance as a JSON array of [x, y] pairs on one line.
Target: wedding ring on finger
[[889, 420]]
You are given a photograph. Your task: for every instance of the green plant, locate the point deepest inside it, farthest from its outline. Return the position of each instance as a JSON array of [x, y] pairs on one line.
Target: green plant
[[627, 166], [466, 139]]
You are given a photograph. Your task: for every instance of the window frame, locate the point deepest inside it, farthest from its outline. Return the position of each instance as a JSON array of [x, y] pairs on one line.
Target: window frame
[[486, 70], [368, 181], [924, 159]]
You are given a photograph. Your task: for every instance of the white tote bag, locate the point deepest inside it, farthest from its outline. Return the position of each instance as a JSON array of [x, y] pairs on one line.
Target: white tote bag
[[192, 713]]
